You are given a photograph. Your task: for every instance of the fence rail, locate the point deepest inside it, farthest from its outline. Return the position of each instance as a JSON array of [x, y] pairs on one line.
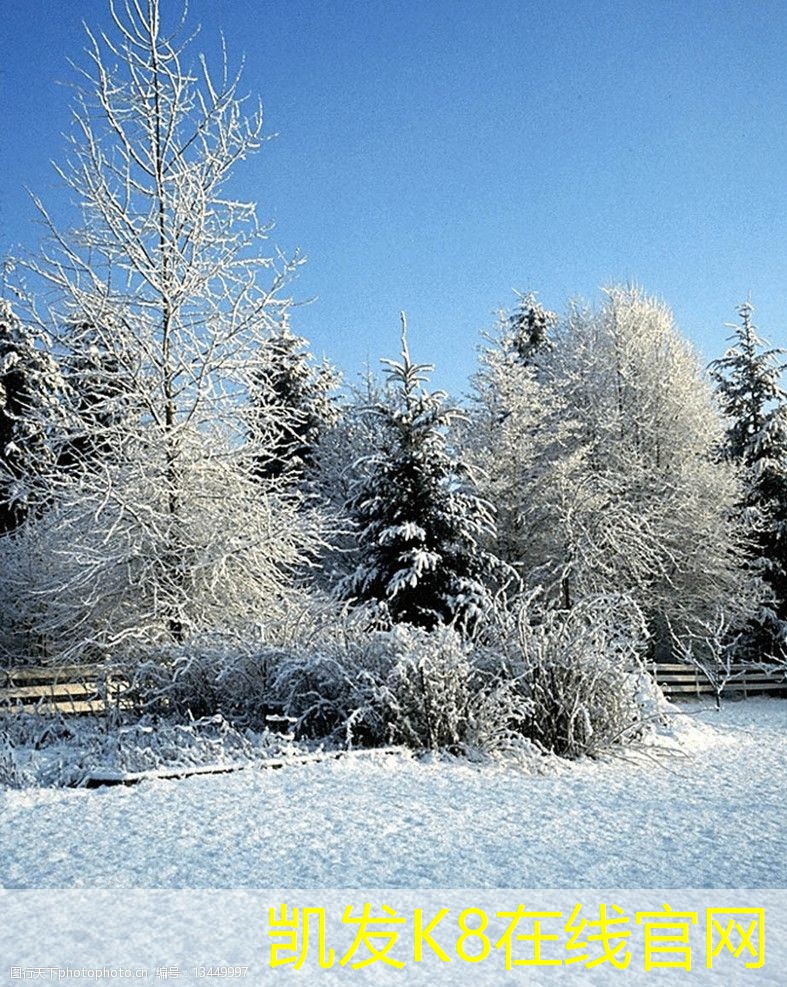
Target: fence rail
[[685, 680], [84, 689], [69, 689]]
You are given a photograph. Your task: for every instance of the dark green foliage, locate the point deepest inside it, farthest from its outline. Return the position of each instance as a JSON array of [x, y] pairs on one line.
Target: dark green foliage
[[529, 329], [29, 388], [299, 394], [747, 380], [101, 395], [419, 521]]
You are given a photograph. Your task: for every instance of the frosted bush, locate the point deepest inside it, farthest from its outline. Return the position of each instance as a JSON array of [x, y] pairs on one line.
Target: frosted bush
[[9, 769], [208, 676], [233, 674], [64, 751], [20, 736], [406, 685], [432, 687], [152, 745], [580, 673], [337, 689]]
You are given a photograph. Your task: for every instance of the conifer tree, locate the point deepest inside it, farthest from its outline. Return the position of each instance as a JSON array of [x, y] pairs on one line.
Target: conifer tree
[[288, 379], [29, 388], [100, 396], [420, 523], [747, 380], [515, 426], [529, 330], [343, 460]]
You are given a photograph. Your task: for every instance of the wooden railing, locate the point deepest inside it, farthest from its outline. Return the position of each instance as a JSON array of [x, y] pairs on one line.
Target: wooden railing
[[75, 689], [68, 689], [679, 680]]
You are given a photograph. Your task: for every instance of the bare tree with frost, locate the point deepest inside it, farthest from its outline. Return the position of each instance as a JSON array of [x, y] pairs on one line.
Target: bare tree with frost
[[616, 487], [655, 508], [166, 293]]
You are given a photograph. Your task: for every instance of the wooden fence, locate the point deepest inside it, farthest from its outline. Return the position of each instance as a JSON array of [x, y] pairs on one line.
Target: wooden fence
[[682, 681], [84, 689], [68, 689]]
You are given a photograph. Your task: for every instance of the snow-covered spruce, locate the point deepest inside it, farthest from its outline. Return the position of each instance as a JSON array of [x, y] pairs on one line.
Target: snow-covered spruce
[[289, 379], [343, 460], [30, 389], [419, 521], [747, 380], [517, 429]]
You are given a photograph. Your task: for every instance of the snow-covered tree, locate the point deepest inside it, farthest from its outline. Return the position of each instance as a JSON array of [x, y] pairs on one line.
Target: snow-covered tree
[[343, 459], [30, 386], [419, 521], [174, 534], [516, 425], [528, 329], [747, 380], [100, 396], [617, 488], [653, 511], [289, 378]]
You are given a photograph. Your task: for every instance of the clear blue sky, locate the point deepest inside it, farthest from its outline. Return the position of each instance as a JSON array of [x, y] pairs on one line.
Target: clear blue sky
[[434, 155]]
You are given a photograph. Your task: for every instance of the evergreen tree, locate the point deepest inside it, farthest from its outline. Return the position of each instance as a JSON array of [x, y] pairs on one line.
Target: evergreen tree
[[747, 380], [517, 422], [29, 388], [100, 395], [529, 329], [288, 383], [343, 459], [419, 521]]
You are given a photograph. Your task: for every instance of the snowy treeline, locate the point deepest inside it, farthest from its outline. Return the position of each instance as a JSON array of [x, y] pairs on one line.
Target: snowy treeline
[[187, 494]]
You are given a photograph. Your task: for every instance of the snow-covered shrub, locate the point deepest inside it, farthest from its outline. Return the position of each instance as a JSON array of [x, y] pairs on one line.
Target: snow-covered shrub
[[580, 674], [23, 733], [151, 745], [336, 688], [9, 769], [432, 687], [447, 698], [38, 751], [232, 674], [213, 674], [406, 685]]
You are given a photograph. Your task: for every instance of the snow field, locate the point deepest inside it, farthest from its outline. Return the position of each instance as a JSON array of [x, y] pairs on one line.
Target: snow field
[[710, 816]]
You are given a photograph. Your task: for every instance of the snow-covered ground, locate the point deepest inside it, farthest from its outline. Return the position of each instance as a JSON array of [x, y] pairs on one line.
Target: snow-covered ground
[[713, 816], [402, 830]]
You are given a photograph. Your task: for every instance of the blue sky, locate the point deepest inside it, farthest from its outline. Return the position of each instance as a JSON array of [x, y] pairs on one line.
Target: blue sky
[[435, 155]]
